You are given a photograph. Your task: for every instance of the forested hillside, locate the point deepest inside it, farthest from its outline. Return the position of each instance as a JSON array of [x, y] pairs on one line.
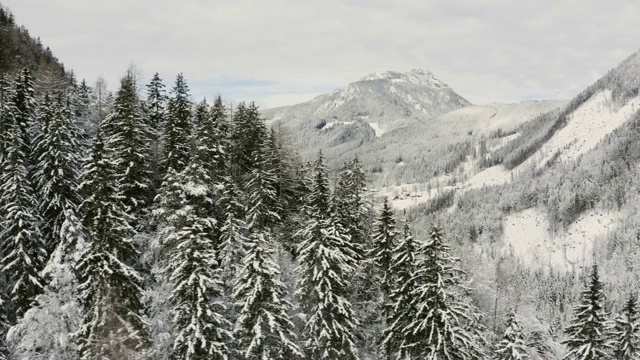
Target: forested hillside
[[145, 224]]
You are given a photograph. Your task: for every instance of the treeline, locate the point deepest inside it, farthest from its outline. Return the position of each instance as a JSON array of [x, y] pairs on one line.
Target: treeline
[[18, 49]]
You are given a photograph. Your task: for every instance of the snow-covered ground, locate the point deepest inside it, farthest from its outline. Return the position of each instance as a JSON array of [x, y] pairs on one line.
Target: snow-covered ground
[[493, 176], [529, 236], [376, 127], [331, 124], [587, 125]]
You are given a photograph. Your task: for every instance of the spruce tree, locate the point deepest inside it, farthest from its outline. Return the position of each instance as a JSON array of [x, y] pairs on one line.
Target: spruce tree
[[444, 326], [626, 332], [326, 260], [381, 254], [177, 127], [513, 345], [57, 169], [128, 136], [248, 138], [384, 243], [402, 268], [156, 107], [47, 330], [264, 207], [233, 233], [263, 329], [25, 110], [211, 148], [351, 205], [23, 251], [190, 260], [112, 325], [192, 268], [587, 336]]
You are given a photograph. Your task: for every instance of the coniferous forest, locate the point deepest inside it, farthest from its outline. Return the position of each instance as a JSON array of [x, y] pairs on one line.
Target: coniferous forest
[[142, 223], [173, 229]]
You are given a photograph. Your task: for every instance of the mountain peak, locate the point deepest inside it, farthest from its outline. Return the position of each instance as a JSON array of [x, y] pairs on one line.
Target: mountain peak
[[416, 76]]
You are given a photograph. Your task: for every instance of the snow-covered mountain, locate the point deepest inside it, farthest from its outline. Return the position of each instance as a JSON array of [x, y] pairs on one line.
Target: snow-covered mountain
[[404, 126], [384, 101]]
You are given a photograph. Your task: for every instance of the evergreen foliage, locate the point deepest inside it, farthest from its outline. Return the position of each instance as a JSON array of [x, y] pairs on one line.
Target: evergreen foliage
[[263, 329], [626, 332], [233, 233], [402, 311], [156, 108], [58, 167], [177, 127], [23, 251], [587, 337], [128, 136], [326, 260], [113, 325], [513, 345], [47, 330], [444, 326]]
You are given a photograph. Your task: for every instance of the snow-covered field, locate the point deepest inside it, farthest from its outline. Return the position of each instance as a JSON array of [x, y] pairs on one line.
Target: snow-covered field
[[529, 236]]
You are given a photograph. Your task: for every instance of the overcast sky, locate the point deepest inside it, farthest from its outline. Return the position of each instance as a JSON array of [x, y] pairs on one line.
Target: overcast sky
[[280, 52]]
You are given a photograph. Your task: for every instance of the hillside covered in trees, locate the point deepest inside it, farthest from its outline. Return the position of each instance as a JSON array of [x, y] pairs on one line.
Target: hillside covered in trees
[[145, 224]]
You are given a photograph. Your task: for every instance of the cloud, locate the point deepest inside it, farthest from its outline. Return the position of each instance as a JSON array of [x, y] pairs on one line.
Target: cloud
[[277, 52]]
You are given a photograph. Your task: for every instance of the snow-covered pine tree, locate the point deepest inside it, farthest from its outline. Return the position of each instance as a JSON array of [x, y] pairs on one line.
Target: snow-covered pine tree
[[81, 110], [208, 124], [47, 330], [626, 332], [126, 131], [513, 345], [222, 124], [23, 252], [587, 337], [192, 267], [381, 255], [263, 329], [403, 263], [384, 243], [264, 207], [57, 169], [326, 260], [248, 138], [113, 326], [25, 110], [156, 107], [233, 233], [444, 326], [352, 208], [177, 128]]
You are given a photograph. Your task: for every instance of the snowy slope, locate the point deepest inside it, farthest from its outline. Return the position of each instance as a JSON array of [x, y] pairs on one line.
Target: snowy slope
[[529, 236], [587, 126]]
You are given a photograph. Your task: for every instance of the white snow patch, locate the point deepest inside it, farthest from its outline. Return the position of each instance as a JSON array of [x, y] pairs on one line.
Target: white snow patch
[[493, 176], [529, 236], [332, 124], [377, 129]]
